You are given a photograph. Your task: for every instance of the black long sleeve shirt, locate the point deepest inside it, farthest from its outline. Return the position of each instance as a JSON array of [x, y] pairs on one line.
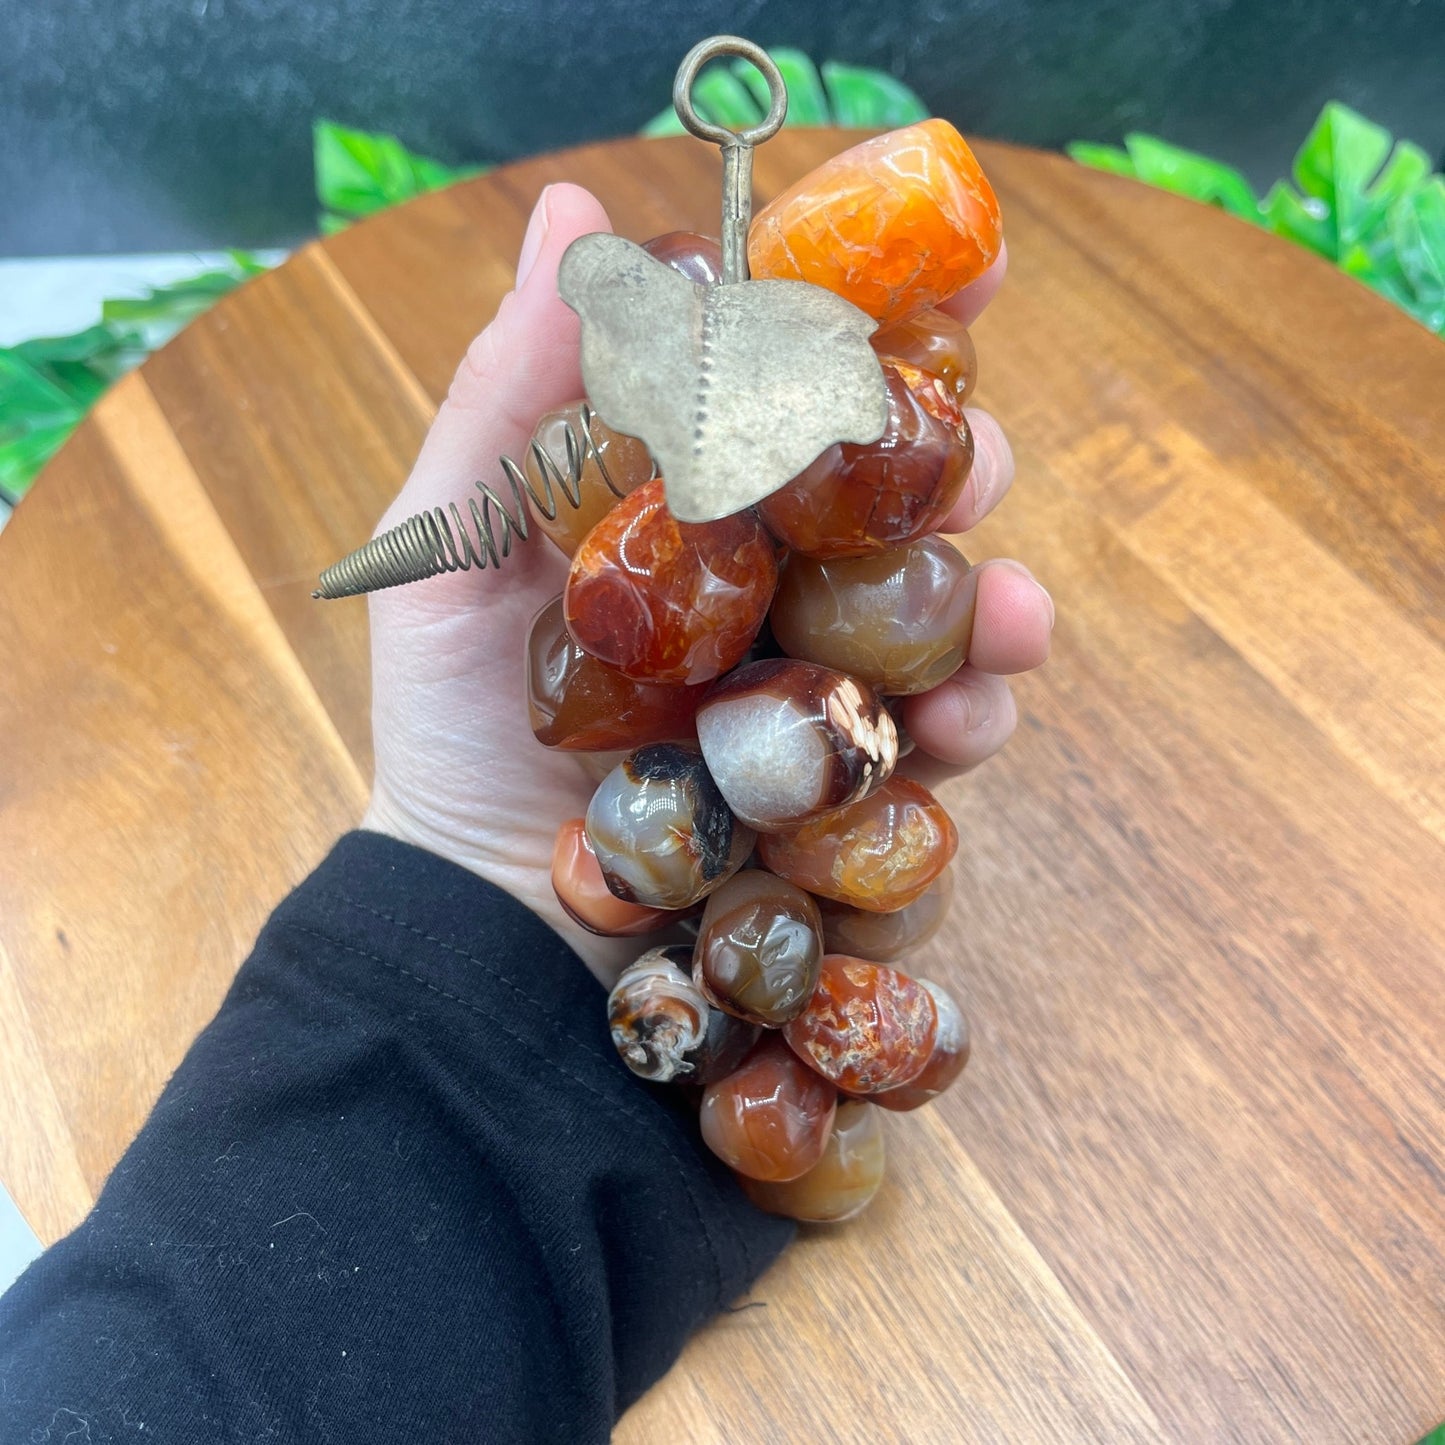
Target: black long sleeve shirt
[[401, 1188]]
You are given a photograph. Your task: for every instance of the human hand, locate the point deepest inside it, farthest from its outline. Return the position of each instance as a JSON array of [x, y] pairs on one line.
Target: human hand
[[458, 771]]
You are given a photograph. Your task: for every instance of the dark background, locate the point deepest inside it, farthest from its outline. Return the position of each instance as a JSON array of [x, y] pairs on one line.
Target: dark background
[[164, 124]]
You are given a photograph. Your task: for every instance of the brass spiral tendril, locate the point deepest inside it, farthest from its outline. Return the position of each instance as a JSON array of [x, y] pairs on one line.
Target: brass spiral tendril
[[430, 543]]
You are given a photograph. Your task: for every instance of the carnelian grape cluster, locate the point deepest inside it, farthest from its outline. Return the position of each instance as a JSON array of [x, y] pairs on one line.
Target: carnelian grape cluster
[[752, 669]]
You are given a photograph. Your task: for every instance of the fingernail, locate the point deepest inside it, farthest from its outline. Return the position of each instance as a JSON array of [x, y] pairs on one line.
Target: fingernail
[[1024, 571], [537, 229], [980, 709]]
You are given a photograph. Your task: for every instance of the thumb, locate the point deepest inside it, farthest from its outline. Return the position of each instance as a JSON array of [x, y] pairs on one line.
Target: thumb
[[523, 364]]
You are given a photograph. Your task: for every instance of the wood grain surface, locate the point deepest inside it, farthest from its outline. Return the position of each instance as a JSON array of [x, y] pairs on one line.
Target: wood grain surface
[[1193, 1185]]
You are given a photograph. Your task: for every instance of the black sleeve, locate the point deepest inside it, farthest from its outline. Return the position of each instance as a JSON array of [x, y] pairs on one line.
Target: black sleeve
[[401, 1188]]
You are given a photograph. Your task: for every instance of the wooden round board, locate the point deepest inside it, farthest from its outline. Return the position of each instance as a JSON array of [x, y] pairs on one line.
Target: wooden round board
[[1191, 1186]]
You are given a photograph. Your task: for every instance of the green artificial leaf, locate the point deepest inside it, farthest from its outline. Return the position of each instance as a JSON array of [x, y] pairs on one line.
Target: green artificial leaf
[[1347, 164], [869, 99], [807, 101], [23, 455], [27, 396], [1102, 158], [1417, 226], [48, 384], [1302, 219], [1188, 174], [360, 172]]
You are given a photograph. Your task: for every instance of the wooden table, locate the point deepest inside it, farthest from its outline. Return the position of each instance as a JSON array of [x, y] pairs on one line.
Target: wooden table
[[1192, 1185]]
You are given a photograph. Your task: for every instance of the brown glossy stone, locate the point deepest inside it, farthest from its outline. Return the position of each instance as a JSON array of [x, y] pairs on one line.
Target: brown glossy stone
[[663, 836], [946, 1061], [771, 1117], [663, 1027], [695, 256], [759, 948], [613, 465], [667, 601], [934, 342], [900, 621], [853, 500], [584, 895], [787, 741], [867, 1027], [886, 937], [841, 1185], [580, 704], [879, 854]]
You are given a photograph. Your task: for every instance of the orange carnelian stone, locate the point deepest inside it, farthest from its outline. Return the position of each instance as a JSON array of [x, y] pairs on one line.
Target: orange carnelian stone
[[584, 895], [669, 601], [853, 500], [867, 1027], [945, 1062], [934, 342], [894, 225], [770, 1119], [582, 705], [842, 1183], [879, 854]]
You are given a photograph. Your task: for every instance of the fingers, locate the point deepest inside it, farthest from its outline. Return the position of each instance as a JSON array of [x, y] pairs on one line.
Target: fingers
[[961, 722], [988, 479], [1013, 619], [523, 364], [967, 305]]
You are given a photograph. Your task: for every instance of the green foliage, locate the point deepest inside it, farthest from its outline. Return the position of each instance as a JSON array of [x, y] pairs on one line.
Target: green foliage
[[48, 384], [359, 172], [1358, 198], [736, 96]]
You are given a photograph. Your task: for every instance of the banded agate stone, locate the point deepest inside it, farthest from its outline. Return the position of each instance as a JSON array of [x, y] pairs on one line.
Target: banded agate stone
[[879, 854], [935, 343], [667, 601], [759, 948], [580, 704], [584, 895], [664, 1028], [841, 1185], [896, 224], [662, 834], [853, 500], [695, 256], [622, 459], [945, 1062], [900, 621], [771, 1117], [867, 1027], [886, 937], [787, 741]]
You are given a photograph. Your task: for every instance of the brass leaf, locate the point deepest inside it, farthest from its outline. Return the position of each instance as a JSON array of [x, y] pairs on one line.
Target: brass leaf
[[736, 388]]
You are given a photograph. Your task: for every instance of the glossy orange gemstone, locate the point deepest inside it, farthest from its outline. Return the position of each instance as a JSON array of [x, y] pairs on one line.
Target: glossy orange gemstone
[[770, 1119], [580, 704], [879, 854], [886, 937], [612, 465], [901, 621], [946, 1062], [933, 342], [895, 225], [695, 256], [842, 1183], [668, 601], [867, 1027], [853, 500], [584, 895]]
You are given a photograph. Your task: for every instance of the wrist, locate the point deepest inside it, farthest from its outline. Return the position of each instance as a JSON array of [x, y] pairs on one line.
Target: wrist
[[503, 864]]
